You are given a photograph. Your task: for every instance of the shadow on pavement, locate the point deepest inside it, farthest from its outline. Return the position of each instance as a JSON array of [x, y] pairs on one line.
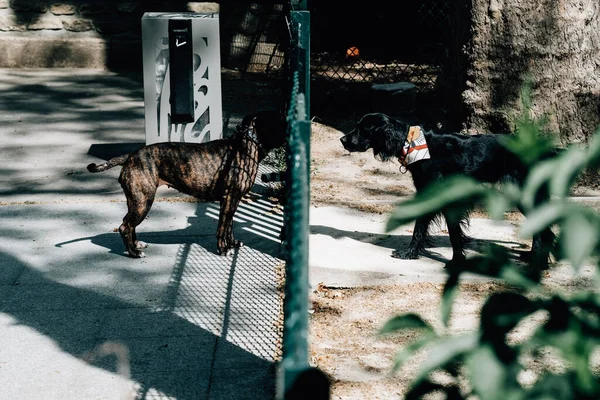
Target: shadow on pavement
[[256, 225], [397, 241], [166, 352], [106, 151]]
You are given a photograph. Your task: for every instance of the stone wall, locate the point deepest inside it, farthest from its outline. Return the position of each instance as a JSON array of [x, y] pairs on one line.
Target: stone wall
[[78, 33], [556, 44]]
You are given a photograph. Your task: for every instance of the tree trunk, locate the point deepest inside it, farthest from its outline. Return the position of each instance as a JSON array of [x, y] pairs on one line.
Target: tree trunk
[[553, 43]]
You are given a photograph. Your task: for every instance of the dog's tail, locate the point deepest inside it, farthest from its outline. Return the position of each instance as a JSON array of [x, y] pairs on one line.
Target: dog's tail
[[113, 162]]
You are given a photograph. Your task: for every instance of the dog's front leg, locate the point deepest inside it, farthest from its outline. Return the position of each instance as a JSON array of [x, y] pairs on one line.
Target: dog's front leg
[[418, 241], [457, 239], [225, 239]]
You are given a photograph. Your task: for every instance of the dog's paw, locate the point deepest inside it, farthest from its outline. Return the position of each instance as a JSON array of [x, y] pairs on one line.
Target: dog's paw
[[141, 245], [536, 258], [137, 254], [224, 250], [405, 254]]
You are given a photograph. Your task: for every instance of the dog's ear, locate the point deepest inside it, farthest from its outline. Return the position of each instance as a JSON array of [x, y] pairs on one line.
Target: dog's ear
[[388, 138]]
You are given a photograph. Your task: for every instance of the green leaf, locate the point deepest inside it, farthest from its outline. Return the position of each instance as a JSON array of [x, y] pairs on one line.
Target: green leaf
[[539, 176], [409, 350], [488, 264], [587, 300], [551, 387], [531, 140], [565, 332], [593, 153], [495, 263], [578, 238], [446, 350], [425, 387], [448, 296], [499, 203], [570, 165], [514, 277], [406, 321], [589, 315], [545, 216], [487, 373], [417, 392], [502, 312], [454, 191]]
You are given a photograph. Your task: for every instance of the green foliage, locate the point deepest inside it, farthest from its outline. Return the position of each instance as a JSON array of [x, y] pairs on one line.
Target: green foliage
[[533, 141], [572, 327]]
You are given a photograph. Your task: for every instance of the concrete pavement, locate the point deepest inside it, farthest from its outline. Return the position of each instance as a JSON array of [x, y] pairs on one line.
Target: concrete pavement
[[79, 319]]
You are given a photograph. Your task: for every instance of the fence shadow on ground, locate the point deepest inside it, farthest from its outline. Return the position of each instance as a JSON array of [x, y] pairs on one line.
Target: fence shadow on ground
[[211, 327]]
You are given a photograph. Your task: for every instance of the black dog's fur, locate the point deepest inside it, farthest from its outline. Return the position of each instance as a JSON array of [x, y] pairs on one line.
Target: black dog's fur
[[221, 170], [482, 157]]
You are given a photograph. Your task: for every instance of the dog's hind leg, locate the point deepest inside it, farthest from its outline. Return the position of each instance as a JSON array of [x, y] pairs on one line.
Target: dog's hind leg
[[541, 247], [419, 239], [225, 239], [138, 205], [458, 239], [543, 242]]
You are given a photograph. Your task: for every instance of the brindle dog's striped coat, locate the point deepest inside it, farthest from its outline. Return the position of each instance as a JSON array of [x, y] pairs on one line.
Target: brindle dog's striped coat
[[221, 170]]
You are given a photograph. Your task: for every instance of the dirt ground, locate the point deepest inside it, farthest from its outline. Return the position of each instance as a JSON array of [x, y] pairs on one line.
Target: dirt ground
[[344, 321]]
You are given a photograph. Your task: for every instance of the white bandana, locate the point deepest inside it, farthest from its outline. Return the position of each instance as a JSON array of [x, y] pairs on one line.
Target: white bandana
[[415, 148]]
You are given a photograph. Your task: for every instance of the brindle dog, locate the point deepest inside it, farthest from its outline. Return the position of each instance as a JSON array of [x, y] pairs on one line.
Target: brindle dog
[[221, 170]]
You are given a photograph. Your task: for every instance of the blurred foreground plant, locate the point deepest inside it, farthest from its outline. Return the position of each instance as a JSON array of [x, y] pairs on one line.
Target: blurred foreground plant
[[572, 325]]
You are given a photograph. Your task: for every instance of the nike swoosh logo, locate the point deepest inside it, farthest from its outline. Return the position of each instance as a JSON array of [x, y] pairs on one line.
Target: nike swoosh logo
[[179, 44]]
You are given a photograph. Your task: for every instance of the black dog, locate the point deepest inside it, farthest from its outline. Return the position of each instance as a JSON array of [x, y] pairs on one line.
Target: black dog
[[482, 157], [221, 170]]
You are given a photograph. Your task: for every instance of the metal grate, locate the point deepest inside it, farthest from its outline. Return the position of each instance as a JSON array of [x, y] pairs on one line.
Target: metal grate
[[237, 298]]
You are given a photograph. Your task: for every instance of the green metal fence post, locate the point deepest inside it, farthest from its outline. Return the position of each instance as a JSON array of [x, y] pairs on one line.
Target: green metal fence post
[[301, 20], [297, 380]]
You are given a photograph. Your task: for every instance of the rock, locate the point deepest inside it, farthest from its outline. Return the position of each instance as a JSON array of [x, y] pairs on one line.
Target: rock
[[52, 52], [203, 7], [9, 23], [45, 22], [63, 9], [77, 25]]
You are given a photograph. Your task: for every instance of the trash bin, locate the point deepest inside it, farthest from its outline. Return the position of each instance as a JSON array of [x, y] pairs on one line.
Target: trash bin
[[182, 77]]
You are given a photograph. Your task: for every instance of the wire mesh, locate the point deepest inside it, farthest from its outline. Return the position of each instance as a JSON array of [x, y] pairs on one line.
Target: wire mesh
[[380, 43], [237, 298]]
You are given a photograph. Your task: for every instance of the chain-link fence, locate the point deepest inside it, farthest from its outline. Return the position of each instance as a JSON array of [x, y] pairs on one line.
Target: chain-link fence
[[377, 42], [381, 44]]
